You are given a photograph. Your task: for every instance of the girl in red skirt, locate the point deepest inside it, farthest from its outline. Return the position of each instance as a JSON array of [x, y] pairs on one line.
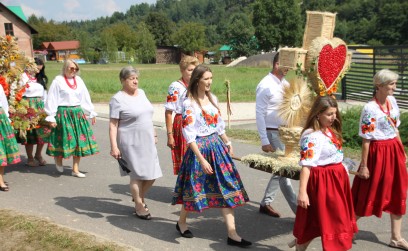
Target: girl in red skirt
[[325, 206], [174, 104], [381, 185]]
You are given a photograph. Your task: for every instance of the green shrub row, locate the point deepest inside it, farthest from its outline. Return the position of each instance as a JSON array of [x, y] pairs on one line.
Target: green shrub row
[[351, 120]]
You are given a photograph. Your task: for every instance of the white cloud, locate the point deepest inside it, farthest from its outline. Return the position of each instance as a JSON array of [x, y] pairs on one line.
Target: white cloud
[[71, 5], [107, 7], [28, 11]]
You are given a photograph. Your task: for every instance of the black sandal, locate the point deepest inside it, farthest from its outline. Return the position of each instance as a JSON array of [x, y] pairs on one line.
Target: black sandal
[[4, 189], [143, 216]]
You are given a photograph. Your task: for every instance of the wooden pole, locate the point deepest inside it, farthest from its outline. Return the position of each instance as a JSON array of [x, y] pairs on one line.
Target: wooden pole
[[229, 112]]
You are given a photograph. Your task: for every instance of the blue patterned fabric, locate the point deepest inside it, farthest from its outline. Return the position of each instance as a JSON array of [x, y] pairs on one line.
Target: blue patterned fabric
[[199, 191]]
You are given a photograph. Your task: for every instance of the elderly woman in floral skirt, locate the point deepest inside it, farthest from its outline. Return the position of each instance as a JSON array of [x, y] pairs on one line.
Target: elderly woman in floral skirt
[[71, 135], [9, 152]]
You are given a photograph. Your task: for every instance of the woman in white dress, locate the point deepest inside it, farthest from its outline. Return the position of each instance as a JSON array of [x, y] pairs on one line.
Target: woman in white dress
[[71, 134], [133, 138]]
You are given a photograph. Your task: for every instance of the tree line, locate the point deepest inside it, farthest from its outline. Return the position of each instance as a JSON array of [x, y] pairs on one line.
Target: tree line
[[248, 26]]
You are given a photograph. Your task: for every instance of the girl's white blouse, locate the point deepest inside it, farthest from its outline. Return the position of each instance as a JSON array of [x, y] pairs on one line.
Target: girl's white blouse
[[60, 94], [176, 95], [35, 89], [196, 125], [316, 149], [375, 124]]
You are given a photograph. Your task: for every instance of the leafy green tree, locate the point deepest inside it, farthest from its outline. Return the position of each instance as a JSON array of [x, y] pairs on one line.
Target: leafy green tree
[[161, 27], [123, 35], [277, 23], [190, 37], [392, 22], [86, 49], [108, 45], [49, 31], [145, 44], [240, 35]]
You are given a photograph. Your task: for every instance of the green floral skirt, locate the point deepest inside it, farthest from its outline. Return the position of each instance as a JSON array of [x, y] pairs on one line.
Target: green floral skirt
[[39, 135], [73, 135], [9, 151]]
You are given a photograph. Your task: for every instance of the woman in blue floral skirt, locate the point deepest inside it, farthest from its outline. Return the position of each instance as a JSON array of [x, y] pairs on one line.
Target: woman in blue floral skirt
[[208, 177]]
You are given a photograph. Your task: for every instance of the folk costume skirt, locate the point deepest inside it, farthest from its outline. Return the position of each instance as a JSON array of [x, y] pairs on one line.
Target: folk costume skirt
[[41, 134], [198, 191], [9, 150], [73, 135], [386, 188], [180, 145], [331, 213]]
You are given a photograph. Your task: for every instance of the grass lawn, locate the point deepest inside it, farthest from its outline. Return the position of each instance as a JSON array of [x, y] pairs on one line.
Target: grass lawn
[[103, 80], [23, 232]]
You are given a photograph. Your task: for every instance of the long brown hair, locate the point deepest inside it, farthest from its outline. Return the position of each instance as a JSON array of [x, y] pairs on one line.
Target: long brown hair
[[193, 85], [320, 105]]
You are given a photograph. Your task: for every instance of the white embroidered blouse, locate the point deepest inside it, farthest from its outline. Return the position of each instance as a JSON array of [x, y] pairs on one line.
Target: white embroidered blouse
[[198, 123], [176, 95], [317, 149], [375, 124], [60, 94], [35, 89], [3, 101]]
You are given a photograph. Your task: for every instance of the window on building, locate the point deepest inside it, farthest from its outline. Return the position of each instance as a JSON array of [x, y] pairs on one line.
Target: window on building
[[8, 27]]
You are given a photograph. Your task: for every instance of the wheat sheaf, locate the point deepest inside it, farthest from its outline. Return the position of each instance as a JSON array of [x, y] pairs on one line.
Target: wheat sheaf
[[297, 100]]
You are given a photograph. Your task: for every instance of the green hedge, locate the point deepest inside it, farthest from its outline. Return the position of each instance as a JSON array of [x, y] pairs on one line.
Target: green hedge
[[351, 120]]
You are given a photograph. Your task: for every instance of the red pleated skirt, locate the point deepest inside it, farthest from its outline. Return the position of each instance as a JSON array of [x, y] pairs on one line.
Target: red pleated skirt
[[180, 145], [331, 213], [386, 189]]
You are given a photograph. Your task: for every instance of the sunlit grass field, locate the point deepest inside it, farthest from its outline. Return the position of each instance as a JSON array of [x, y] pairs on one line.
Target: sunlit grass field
[[103, 80]]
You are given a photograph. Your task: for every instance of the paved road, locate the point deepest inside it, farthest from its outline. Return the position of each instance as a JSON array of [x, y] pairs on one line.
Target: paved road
[[101, 204]]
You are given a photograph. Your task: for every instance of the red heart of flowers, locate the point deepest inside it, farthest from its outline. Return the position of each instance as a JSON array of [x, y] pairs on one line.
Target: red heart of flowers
[[331, 63]]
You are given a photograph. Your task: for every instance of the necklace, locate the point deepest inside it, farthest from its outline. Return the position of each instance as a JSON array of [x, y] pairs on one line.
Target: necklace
[[387, 104], [333, 138], [72, 86], [32, 79], [183, 82], [388, 112]]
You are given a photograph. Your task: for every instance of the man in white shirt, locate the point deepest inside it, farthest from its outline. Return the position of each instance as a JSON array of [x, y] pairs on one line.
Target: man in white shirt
[[269, 95]]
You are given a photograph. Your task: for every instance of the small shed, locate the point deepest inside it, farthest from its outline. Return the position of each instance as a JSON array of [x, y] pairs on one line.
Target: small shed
[[61, 50], [225, 56], [168, 55]]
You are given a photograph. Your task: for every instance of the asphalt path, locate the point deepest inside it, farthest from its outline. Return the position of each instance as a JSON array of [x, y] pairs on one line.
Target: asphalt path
[[100, 204]]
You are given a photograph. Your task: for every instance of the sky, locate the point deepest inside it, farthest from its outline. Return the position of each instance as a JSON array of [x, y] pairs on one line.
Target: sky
[[67, 10]]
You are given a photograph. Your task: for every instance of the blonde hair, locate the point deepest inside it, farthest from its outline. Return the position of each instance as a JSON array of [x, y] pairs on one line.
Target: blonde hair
[[384, 77], [188, 60], [66, 64]]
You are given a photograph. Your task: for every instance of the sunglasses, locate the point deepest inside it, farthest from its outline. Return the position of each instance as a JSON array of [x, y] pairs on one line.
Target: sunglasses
[[73, 69]]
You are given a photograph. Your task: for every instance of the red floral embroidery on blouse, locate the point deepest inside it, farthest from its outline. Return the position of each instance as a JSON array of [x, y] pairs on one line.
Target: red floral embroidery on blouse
[[172, 97], [187, 119]]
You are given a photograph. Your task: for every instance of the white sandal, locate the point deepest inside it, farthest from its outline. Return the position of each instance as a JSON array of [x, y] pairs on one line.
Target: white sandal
[[401, 244]]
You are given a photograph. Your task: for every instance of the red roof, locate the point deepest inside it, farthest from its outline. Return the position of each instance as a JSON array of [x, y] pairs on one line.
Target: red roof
[[61, 45]]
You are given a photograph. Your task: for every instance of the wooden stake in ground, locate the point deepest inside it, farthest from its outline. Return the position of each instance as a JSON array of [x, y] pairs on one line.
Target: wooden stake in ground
[[229, 112]]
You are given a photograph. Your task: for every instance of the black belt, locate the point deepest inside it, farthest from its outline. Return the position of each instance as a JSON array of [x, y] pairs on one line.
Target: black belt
[[271, 129]]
